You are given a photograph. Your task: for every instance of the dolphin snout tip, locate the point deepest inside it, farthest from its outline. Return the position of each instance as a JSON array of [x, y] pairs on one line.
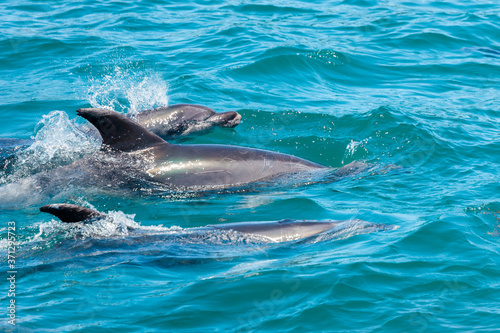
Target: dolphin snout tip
[[95, 112], [84, 112], [234, 121]]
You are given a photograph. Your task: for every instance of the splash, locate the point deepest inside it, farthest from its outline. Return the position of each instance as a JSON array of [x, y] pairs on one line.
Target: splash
[[127, 91], [117, 224], [149, 93], [58, 141], [355, 148]]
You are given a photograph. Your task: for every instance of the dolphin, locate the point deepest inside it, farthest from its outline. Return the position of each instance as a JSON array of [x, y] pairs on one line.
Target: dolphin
[[195, 166], [184, 119], [276, 231], [167, 122]]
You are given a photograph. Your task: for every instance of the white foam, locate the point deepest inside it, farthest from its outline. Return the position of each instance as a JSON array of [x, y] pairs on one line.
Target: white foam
[[126, 87], [149, 93], [57, 141]]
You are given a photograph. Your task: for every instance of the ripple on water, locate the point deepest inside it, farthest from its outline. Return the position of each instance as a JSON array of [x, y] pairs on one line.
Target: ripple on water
[[411, 88]]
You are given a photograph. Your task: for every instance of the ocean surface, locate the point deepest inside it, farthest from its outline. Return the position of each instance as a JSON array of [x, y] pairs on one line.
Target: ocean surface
[[409, 87]]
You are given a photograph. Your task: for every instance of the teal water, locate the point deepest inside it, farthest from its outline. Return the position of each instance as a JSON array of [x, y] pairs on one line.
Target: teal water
[[410, 87]]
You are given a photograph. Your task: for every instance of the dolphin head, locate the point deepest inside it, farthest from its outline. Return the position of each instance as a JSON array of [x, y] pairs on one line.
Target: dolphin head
[[226, 119]]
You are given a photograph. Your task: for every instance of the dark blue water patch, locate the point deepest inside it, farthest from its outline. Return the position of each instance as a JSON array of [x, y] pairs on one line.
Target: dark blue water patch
[[33, 8], [25, 48], [261, 10], [485, 51], [278, 74], [436, 40], [291, 63]]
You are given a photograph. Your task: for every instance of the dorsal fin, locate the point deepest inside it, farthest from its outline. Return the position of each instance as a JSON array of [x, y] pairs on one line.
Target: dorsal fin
[[120, 132], [70, 213]]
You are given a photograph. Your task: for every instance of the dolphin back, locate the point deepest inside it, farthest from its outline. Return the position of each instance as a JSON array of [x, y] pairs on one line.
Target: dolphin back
[[290, 230], [281, 231]]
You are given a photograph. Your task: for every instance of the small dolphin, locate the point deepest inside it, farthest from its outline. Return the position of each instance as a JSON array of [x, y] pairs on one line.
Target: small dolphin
[[167, 122], [194, 166], [277, 231], [184, 119]]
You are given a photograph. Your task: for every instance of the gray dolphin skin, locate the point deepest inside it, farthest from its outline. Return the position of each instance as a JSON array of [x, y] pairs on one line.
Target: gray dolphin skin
[[184, 119], [280, 231], [277, 231], [192, 166]]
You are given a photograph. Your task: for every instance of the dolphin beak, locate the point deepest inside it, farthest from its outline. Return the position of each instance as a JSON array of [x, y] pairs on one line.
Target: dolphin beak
[[232, 121], [225, 119]]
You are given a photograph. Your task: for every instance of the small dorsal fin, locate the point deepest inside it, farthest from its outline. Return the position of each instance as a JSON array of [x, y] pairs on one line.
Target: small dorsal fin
[[70, 213], [120, 132]]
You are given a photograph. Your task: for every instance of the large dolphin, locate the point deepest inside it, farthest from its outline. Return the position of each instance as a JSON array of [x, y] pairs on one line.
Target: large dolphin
[[195, 166], [277, 231], [184, 119]]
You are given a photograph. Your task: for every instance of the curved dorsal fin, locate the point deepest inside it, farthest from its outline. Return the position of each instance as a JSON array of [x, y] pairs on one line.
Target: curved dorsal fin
[[120, 132], [70, 213]]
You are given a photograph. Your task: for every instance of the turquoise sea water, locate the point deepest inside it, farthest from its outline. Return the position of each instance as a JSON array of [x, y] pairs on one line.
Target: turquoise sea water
[[410, 87]]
